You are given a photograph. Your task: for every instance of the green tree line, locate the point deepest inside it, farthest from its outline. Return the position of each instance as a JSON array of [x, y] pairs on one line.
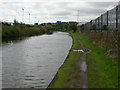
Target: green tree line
[[22, 30]]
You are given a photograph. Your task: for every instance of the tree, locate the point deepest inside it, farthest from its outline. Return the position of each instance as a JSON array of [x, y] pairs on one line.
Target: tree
[[15, 22], [49, 27], [73, 27]]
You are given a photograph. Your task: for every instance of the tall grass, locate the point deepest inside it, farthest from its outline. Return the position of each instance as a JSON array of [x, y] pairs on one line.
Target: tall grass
[[106, 40]]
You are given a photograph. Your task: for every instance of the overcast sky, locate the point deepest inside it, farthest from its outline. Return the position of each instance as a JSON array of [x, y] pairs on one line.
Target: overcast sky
[[54, 10]]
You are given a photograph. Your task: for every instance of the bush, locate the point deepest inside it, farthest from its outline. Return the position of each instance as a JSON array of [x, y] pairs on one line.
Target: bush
[[20, 31]]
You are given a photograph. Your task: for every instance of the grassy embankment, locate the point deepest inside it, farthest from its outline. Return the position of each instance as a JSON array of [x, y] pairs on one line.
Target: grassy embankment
[[67, 75], [102, 70]]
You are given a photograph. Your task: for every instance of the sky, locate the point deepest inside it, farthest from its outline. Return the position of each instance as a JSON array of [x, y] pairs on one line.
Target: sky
[[53, 10]]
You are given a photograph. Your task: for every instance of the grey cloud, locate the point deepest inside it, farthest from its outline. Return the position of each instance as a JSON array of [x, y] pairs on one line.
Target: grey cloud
[[62, 13], [67, 9], [60, 10], [92, 11], [102, 4]]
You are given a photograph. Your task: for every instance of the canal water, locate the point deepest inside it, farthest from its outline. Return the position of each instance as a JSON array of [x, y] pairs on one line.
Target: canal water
[[34, 61]]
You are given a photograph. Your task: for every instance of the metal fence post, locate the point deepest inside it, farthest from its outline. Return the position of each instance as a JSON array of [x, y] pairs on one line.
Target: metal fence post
[[101, 23], [116, 17], [98, 24], [107, 32], [107, 20], [95, 24]]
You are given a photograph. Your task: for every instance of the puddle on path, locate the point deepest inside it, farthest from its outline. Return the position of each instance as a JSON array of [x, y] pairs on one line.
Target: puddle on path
[[82, 50], [83, 66], [79, 50]]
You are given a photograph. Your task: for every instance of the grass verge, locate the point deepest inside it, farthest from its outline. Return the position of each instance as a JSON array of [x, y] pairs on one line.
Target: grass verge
[[67, 75], [102, 70]]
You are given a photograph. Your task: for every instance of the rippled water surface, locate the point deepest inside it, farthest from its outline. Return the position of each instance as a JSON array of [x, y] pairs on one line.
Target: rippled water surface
[[33, 62]]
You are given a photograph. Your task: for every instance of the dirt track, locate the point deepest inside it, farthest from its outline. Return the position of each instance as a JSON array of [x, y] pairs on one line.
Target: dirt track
[[81, 80]]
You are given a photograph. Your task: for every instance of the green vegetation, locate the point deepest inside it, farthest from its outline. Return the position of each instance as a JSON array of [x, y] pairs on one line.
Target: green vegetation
[[70, 26], [20, 31], [102, 70], [93, 27], [23, 30], [67, 76], [73, 26]]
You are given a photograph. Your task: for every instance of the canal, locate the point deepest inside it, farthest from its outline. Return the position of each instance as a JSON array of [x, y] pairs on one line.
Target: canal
[[33, 61]]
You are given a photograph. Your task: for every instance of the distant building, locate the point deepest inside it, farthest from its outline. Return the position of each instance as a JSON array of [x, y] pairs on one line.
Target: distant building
[[59, 22], [54, 24]]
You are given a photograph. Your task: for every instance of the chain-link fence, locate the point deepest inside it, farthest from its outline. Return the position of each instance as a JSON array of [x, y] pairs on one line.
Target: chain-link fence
[[106, 28], [109, 20]]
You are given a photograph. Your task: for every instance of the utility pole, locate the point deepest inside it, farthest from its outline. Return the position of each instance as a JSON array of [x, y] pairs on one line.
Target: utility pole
[[78, 16], [117, 18], [101, 23], [23, 15], [38, 21], [35, 19], [29, 18], [14, 17]]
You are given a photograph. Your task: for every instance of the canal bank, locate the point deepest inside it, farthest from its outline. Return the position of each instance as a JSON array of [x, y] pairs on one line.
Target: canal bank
[[102, 71], [70, 74]]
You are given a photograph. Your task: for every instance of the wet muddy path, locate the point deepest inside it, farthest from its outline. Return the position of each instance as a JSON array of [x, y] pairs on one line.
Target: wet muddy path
[[83, 81]]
